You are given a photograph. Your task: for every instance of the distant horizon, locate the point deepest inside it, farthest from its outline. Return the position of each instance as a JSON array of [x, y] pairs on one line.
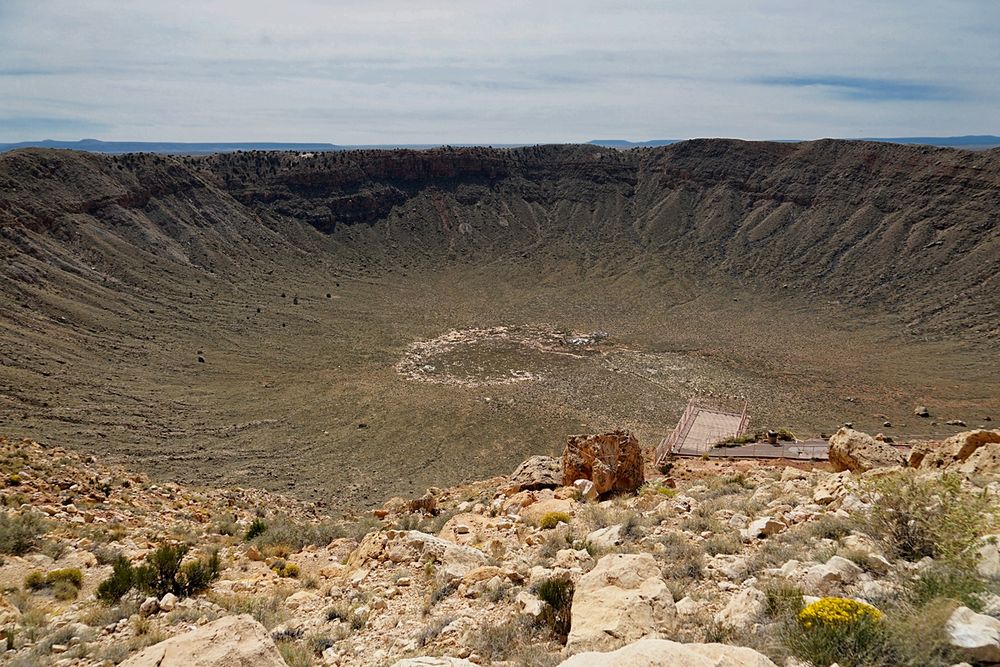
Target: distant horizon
[[975, 141]]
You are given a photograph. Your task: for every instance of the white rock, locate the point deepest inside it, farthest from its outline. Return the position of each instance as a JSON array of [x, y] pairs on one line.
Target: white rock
[[606, 538], [665, 653], [528, 604], [168, 602], [837, 570], [744, 609], [624, 598], [688, 606], [586, 488], [763, 527], [231, 641], [989, 557], [977, 635]]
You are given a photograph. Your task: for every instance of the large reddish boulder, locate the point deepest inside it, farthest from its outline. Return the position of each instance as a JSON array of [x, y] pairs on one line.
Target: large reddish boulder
[[612, 461]]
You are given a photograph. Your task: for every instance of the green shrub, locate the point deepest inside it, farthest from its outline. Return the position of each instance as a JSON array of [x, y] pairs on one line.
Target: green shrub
[[256, 529], [935, 518], [783, 600], [34, 581], [58, 580], [162, 573], [552, 519], [285, 569], [20, 533], [557, 595], [65, 590], [120, 582], [942, 581], [71, 575]]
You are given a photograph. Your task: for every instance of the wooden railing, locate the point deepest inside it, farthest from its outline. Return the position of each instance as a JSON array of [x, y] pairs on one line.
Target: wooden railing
[[683, 426]]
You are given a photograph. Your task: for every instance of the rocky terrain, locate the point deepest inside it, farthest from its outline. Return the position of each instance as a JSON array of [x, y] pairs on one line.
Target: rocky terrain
[[418, 318], [592, 558]]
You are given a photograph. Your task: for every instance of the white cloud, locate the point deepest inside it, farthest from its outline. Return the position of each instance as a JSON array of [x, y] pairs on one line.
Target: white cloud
[[395, 71]]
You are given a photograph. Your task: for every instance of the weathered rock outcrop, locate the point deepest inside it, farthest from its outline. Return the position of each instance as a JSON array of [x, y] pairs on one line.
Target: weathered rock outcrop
[[662, 652], [859, 452], [970, 452], [613, 461], [624, 598], [744, 609], [400, 546], [231, 641], [537, 472]]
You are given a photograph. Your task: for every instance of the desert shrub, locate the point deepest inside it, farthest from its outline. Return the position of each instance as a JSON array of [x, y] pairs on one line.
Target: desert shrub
[[54, 549], [498, 643], [783, 600], [681, 559], [442, 591], [347, 613], [162, 573], [557, 595], [34, 581], [120, 582], [268, 610], [656, 489], [295, 536], [256, 529], [20, 533], [839, 630], [552, 519], [831, 527], [295, 653], [65, 583], [723, 544], [65, 590], [554, 542], [944, 581], [196, 576], [431, 631], [106, 555], [285, 569], [935, 518]]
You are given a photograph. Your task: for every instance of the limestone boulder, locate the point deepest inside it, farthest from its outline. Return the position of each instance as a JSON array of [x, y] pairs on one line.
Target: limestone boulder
[[408, 546], [607, 538], [859, 452], [988, 562], [762, 527], [537, 472], [621, 600], [975, 635], [231, 641], [743, 610], [831, 488], [612, 461], [534, 512], [662, 652], [970, 452], [828, 576]]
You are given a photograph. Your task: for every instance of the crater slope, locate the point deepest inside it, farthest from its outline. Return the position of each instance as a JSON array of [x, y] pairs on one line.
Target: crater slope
[[283, 320]]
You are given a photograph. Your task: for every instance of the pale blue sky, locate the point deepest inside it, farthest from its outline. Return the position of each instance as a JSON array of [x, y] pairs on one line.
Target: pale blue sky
[[472, 71]]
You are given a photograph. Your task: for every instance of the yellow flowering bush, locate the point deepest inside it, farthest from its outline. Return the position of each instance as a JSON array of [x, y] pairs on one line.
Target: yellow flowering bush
[[832, 611], [840, 630]]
